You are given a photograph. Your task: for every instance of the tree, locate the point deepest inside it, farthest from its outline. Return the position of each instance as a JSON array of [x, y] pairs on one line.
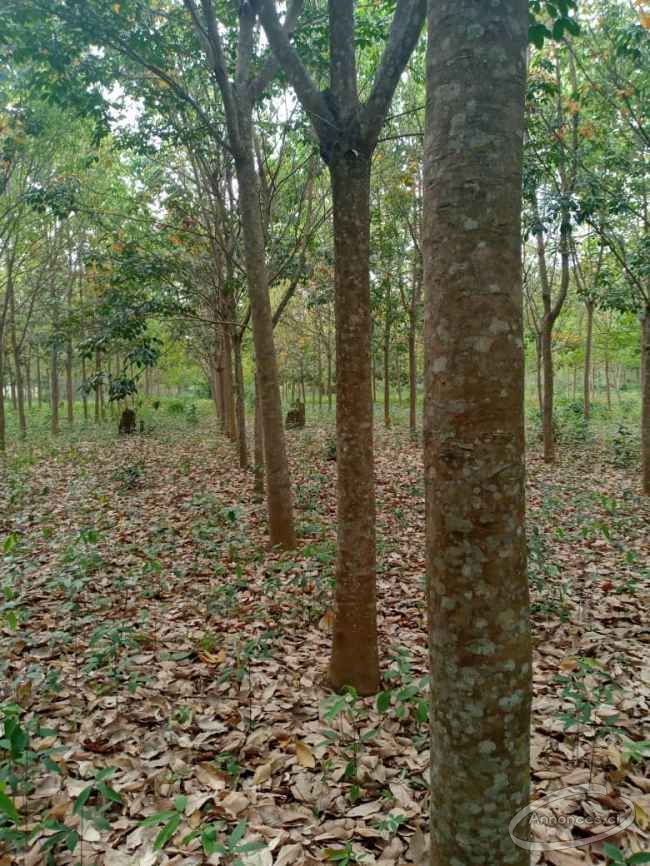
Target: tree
[[474, 430], [348, 130]]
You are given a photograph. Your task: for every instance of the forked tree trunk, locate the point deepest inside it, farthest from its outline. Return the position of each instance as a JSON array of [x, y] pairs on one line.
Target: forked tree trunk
[[587, 371], [354, 659], [645, 402], [278, 483], [474, 431]]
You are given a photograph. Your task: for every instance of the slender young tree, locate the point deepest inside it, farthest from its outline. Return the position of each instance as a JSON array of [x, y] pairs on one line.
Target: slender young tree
[[347, 131], [474, 430]]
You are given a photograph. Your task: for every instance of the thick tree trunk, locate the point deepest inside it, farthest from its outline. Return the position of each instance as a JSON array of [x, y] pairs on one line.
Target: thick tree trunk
[[474, 431], [645, 402], [547, 410], [587, 371], [354, 659], [538, 373], [54, 391], [278, 482], [240, 402]]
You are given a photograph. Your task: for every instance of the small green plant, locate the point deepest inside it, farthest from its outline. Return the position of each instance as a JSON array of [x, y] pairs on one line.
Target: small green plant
[[97, 799], [130, 476], [349, 739], [230, 846], [170, 820]]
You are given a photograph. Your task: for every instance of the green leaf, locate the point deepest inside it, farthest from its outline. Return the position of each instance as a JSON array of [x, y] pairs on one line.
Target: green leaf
[[10, 542], [383, 702], [642, 857], [8, 808], [167, 831], [180, 803], [237, 834], [251, 846], [82, 799], [613, 853], [158, 818]]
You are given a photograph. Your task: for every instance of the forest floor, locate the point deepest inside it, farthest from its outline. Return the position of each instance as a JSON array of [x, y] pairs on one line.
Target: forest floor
[[148, 629]]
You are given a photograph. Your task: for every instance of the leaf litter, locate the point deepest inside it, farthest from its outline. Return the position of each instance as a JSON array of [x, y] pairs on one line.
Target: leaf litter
[[151, 631]]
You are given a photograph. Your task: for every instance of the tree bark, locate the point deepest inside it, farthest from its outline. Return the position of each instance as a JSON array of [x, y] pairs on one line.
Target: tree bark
[[54, 391], [28, 380], [587, 371], [240, 402], [354, 659], [39, 380], [278, 482], [387, 325], [15, 350], [645, 402], [474, 431], [259, 442]]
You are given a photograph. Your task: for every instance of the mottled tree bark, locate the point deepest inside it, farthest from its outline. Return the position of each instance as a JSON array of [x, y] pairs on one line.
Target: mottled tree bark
[[354, 660], [645, 401], [474, 431], [259, 443]]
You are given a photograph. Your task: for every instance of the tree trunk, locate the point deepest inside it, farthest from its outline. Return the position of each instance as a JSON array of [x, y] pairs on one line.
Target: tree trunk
[[228, 389], [54, 391], [329, 375], [547, 411], [645, 402], [15, 350], [69, 385], [608, 384], [28, 380], [259, 442], [278, 482], [39, 381], [84, 393], [587, 371], [3, 418], [474, 431], [387, 363], [354, 659], [413, 386], [240, 402], [98, 388]]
